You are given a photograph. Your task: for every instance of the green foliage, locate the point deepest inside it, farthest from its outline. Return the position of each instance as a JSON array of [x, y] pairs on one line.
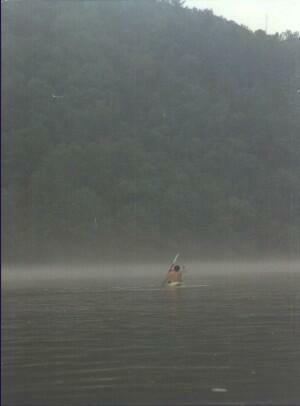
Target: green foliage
[[146, 124]]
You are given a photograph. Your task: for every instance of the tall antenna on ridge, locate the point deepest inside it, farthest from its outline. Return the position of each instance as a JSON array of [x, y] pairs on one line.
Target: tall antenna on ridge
[[266, 22]]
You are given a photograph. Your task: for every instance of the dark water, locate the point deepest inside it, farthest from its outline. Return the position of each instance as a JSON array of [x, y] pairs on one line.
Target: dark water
[[124, 340]]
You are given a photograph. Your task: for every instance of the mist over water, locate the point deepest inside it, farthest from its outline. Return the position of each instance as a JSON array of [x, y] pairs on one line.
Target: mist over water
[[13, 275], [111, 334]]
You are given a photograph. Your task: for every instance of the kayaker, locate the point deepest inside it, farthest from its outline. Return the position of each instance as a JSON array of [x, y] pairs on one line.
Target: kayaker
[[174, 274]]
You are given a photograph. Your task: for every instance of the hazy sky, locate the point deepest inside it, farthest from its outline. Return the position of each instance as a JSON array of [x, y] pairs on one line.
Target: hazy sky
[[282, 15]]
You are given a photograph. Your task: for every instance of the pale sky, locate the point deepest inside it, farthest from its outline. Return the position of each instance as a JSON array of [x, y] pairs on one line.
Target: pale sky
[[281, 15]]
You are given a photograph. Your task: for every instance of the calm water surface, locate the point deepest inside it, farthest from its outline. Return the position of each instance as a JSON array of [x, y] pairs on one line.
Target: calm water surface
[[96, 339]]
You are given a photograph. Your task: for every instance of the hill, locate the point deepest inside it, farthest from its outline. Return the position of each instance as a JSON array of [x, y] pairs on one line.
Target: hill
[[134, 127]]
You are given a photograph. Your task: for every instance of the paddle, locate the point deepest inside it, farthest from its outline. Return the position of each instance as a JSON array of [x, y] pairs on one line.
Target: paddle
[[173, 263]]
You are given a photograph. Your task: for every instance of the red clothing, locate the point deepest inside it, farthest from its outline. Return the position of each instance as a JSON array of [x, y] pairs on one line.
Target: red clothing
[[174, 276]]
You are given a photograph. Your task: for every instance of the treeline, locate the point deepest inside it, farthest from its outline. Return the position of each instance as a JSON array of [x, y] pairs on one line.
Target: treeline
[[142, 127]]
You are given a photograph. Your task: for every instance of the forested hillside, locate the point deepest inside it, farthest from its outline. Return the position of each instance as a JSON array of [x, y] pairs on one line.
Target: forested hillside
[[134, 127]]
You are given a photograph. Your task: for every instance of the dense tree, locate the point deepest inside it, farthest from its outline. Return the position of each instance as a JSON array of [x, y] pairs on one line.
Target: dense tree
[[133, 126]]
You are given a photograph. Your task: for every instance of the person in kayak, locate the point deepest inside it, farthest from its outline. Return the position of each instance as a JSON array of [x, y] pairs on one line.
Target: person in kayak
[[174, 274]]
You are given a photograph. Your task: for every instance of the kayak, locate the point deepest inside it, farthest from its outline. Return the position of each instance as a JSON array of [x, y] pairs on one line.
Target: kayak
[[174, 284]]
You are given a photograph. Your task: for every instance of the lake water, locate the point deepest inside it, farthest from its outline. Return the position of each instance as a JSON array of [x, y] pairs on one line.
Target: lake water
[[111, 335]]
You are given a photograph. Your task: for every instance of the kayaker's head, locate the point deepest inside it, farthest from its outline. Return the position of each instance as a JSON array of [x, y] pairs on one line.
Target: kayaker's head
[[177, 268]]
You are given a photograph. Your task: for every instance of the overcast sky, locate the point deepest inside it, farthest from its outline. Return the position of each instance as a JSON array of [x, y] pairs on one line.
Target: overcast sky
[[281, 15]]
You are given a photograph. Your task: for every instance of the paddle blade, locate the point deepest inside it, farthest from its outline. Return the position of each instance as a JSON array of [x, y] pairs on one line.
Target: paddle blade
[[175, 259]]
